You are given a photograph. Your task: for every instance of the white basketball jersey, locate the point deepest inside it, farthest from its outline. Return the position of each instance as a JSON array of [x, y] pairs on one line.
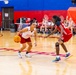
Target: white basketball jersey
[[28, 34]]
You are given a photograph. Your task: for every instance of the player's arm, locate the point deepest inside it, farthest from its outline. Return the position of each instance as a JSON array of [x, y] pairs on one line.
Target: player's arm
[[52, 32], [21, 31], [35, 34]]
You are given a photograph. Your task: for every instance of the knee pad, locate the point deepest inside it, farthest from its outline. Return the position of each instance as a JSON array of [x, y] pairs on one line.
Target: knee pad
[[56, 44]]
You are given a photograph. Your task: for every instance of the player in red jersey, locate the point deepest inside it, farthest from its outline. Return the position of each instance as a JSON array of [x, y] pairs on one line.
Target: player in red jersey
[[65, 35]]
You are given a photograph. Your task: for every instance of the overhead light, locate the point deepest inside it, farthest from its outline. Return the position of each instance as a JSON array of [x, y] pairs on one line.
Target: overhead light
[[6, 1]]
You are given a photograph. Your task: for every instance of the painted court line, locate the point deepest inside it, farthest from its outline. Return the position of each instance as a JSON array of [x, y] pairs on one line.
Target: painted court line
[[36, 52]]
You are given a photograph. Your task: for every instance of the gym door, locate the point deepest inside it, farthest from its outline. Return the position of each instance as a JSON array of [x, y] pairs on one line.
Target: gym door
[[7, 17]]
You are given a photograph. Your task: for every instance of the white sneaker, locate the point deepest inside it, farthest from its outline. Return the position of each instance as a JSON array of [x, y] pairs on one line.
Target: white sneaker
[[19, 55], [28, 55]]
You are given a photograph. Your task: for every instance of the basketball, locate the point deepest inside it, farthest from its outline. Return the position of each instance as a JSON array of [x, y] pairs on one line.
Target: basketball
[[17, 39]]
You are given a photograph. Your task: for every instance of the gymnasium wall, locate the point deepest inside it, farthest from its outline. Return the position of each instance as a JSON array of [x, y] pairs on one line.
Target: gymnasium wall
[[37, 8]]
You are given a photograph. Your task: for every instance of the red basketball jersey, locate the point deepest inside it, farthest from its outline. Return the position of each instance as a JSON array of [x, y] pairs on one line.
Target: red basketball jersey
[[66, 33]]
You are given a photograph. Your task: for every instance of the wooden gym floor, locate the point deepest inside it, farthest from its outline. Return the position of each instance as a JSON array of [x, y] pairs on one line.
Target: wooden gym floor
[[41, 61]]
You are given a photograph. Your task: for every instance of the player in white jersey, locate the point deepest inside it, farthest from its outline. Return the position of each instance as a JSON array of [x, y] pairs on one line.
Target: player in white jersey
[[25, 35]]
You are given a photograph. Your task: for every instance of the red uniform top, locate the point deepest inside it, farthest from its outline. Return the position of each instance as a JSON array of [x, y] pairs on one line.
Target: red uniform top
[[66, 32]]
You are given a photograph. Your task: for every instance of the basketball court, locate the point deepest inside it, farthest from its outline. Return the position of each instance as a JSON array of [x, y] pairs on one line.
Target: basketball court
[[41, 61]]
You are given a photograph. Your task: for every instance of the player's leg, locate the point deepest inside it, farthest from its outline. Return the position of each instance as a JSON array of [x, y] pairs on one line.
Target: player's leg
[[28, 49], [21, 49], [65, 49], [23, 42], [57, 52], [66, 38], [60, 42]]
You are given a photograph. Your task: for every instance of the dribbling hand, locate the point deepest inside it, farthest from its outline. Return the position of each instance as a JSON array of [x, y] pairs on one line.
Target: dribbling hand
[[35, 44]]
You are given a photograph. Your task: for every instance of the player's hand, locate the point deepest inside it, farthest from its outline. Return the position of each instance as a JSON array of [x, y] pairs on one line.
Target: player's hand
[[35, 43]]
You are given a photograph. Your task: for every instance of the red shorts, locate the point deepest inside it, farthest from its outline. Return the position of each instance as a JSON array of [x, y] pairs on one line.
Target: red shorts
[[23, 40], [66, 37]]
